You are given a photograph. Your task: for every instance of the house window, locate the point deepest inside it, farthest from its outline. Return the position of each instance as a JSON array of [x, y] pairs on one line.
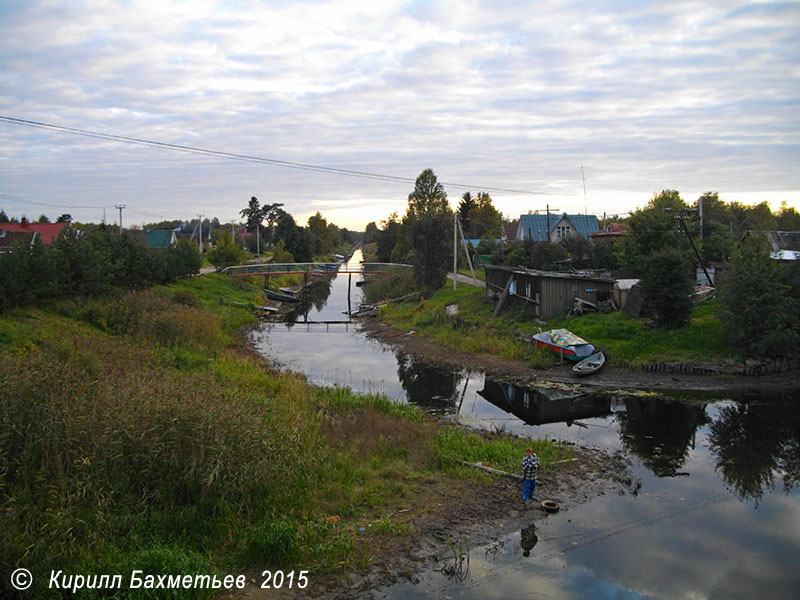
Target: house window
[[562, 231]]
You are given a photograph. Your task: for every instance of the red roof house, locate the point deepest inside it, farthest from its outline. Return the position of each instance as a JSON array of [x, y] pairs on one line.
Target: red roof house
[[10, 233]]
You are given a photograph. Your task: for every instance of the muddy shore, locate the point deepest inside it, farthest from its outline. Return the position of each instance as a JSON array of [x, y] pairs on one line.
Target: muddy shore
[[466, 515], [610, 377]]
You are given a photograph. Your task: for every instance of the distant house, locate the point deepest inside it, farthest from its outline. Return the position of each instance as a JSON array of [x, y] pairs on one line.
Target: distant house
[[510, 230], [785, 245], [612, 232], [12, 233], [160, 238], [554, 227], [547, 294]]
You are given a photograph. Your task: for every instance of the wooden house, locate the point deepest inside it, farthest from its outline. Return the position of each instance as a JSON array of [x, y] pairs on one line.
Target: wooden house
[[547, 294]]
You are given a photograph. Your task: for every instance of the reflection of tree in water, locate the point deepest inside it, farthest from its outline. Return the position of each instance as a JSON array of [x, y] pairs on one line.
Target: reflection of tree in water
[[313, 295], [660, 432], [752, 442], [427, 386]]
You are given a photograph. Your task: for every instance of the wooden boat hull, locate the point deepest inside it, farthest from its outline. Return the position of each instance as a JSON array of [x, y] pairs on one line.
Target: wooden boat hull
[[590, 364], [279, 296]]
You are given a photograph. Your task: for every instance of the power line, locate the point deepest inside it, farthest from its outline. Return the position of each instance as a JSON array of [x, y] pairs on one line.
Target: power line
[[47, 204], [243, 157]]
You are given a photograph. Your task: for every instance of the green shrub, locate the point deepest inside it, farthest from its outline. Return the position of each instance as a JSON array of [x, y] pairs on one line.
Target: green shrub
[[667, 284]]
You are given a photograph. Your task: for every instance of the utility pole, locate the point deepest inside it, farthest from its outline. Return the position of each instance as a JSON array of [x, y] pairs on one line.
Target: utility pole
[[455, 248], [200, 237], [585, 207], [120, 207], [548, 222]]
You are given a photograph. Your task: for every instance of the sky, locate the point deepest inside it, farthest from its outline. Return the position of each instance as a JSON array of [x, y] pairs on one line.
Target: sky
[[579, 106]]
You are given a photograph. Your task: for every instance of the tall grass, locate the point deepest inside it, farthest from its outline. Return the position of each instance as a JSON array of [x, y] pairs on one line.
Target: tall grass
[[134, 431]]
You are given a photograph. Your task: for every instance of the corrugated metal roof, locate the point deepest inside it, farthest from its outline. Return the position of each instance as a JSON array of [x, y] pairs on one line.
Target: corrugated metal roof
[[535, 226], [549, 274]]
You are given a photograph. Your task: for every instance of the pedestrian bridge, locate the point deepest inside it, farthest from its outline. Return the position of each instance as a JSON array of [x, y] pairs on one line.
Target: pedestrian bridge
[[305, 268]]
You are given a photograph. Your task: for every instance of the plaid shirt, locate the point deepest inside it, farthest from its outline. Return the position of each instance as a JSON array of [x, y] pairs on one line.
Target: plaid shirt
[[530, 466]]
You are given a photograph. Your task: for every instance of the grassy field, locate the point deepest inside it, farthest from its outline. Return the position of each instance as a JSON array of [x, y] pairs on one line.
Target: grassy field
[[623, 338], [137, 433]]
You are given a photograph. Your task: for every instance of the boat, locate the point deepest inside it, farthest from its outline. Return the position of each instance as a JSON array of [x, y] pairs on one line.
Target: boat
[[367, 310], [279, 296], [289, 291], [590, 364], [564, 343]]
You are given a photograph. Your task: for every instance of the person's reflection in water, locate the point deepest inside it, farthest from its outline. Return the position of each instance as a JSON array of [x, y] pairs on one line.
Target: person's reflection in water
[[528, 539]]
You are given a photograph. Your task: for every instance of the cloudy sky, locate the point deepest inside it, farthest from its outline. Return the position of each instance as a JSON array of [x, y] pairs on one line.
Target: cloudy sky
[[645, 96]]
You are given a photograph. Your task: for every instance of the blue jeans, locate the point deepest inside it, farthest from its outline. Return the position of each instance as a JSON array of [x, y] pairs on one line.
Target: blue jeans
[[528, 485]]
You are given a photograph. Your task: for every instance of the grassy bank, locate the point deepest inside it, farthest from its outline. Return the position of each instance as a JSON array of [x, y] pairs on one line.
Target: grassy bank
[[474, 330], [136, 433]]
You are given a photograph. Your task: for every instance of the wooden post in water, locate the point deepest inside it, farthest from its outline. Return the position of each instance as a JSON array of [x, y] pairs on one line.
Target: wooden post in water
[[349, 280]]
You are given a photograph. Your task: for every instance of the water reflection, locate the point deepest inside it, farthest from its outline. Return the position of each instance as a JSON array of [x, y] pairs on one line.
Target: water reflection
[[661, 432], [528, 539], [750, 443], [537, 406], [313, 295], [429, 387], [754, 442]]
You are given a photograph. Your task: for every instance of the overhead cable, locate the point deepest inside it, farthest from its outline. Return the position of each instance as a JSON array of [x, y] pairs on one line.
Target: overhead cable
[[242, 157]]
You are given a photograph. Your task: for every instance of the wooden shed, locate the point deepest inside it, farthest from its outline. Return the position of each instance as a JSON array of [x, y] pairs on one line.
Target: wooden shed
[[547, 294]]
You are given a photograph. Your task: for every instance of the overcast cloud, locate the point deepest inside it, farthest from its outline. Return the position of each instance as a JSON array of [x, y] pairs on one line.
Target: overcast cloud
[[694, 96]]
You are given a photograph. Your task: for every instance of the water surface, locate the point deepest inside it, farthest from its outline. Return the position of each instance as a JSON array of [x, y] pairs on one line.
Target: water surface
[[717, 514]]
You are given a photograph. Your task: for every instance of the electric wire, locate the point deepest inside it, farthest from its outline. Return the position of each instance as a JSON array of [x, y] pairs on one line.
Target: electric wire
[[243, 157]]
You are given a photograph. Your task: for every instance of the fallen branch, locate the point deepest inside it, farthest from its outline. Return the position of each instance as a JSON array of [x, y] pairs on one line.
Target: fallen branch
[[491, 470]]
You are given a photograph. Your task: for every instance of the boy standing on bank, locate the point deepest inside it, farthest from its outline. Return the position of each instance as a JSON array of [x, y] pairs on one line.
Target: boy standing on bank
[[530, 469]]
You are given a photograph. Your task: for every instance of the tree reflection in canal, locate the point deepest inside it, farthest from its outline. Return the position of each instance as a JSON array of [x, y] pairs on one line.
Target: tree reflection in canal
[[313, 295], [751, 443], [427, 386], [754, 442], [660, 432]]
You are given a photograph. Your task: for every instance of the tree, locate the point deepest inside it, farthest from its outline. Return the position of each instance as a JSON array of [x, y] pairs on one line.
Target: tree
[[485, 220], [387, 238], [788, 218], [650, 230], [667, 284], [254, 215], [318, 227], [428, 222], [226, 252], [43, 219], [757, 309], [65, 218], [371, 233], [464, 208]]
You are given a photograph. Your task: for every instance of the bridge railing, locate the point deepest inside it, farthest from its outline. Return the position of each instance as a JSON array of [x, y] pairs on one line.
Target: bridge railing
[[267, 268], [383, 267], [289, 268]]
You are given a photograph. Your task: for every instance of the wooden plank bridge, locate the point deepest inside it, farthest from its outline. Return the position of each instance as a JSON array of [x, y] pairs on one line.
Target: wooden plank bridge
[[311, 268]]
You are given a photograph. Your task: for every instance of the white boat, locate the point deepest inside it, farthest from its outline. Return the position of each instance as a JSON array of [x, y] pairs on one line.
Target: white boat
[[590, 364]]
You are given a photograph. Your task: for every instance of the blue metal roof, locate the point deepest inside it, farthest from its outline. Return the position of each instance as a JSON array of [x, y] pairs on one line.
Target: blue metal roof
[[535, 226]]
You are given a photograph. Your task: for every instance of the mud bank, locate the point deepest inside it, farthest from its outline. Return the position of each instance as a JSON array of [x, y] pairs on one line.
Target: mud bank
[[466, 515], [608, 378]]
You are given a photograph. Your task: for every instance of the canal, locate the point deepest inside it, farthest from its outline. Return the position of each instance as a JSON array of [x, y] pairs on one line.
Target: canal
[[716, 514]]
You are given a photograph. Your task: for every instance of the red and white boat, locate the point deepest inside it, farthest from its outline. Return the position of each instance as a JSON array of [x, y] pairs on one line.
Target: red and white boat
[[564, 343]]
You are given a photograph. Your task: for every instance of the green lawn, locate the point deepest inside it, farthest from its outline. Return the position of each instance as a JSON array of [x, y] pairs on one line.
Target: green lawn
[[623, 338]]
